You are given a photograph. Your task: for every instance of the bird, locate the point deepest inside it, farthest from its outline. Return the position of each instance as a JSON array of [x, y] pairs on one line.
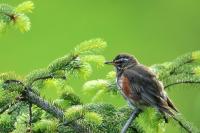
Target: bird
[[140, 86]]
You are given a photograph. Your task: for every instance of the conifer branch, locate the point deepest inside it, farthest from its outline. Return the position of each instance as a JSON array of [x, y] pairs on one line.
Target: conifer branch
[[33, 98], [15, 107], [45, 78], [16, 16], [6, 107], [187, 126], [77, 62], [130, 120], [181, 82], [37, 100], [184, 126], [78, 117], [75, 116], [30, 116]]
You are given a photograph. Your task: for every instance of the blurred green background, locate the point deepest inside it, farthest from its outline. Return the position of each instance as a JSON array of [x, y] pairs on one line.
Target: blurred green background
[[154, 31]]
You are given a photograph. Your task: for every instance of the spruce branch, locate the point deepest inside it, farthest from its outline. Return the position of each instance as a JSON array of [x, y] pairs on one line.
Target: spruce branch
[[130, 120], [50, 108], [15, 16], [9, 105], [182, 82], [37, 100], [42, 75], [76, 62], [25, 7], [30, 116], [52, 116], [14, 107]]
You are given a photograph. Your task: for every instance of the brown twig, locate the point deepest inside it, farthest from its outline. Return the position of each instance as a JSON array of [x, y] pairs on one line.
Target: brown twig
[[134, 114], [182, 82], [30, 117]]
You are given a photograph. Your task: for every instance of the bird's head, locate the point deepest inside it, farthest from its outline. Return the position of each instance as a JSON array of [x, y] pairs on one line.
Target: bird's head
[[123, 61]]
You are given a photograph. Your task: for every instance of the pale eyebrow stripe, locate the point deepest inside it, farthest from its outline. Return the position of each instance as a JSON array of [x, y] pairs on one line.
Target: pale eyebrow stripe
[[122, 59]]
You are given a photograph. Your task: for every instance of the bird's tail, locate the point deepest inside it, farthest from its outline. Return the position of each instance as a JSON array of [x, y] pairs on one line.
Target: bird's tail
[[171, 105]]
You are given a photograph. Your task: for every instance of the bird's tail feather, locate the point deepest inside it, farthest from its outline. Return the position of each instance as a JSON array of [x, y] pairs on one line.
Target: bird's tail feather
[[167, 110], [171, 105]]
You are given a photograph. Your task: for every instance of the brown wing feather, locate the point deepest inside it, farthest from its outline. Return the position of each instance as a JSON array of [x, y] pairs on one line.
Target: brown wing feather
[[170, 104]]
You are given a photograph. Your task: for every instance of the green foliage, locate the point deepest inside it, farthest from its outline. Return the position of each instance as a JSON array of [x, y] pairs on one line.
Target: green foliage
[[9, 76], [21, 123], [77, 62], [9, 91], [5, 123], [33, 76], [101, 86], [66, 112], [22, 22], [25, 7], [111, 117], [23, 109], [72, 98], [150, 121], [187, 124], [45, 126], [90, 47], [7, 97], [84, 116], [98, 59], [185, 65], [93, 118], [15, 16], [108, 115], [74, 112]]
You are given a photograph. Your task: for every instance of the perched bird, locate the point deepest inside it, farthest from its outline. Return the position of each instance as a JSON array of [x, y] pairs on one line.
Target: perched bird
[[139, 85]]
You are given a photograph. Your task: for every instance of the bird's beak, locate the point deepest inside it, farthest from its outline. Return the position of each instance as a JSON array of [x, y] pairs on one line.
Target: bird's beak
[[109, 63]]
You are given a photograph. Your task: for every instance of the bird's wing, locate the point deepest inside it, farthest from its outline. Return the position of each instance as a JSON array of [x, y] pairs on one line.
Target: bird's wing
[[149, 88]]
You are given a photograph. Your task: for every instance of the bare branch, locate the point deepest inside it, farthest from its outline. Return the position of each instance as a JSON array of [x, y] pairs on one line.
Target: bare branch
[[50, 108], [182, 82], [30, 116], [184, 125], [134, 114], [6, 107], [13, 81]]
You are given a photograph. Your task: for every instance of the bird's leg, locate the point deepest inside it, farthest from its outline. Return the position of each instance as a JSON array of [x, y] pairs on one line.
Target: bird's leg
[[166, 119], [134, 114], [164, 116]]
